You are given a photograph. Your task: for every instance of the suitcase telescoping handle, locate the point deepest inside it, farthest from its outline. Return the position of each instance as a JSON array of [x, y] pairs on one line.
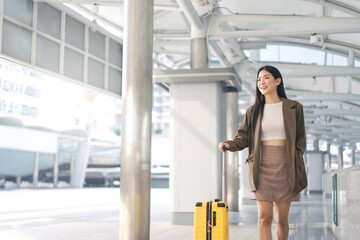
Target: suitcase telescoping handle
[[224, 174]]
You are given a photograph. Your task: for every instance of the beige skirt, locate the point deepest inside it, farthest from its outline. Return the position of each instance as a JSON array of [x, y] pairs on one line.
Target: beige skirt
[[273, 184]]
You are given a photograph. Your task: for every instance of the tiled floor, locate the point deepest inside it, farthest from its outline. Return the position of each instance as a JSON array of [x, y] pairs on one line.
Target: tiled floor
[[93, 214]]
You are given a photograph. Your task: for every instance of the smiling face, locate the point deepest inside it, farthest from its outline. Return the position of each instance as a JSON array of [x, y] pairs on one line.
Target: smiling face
[[267, 84]]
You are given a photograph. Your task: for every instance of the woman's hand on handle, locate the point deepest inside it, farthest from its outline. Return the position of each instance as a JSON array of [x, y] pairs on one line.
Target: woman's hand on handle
[[222, 145]]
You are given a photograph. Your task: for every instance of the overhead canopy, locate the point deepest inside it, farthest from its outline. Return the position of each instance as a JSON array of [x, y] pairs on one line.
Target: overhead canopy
[[315, 44]]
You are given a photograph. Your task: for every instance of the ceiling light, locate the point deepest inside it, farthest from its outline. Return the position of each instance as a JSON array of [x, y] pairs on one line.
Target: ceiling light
[[95, 8], [314, 38]]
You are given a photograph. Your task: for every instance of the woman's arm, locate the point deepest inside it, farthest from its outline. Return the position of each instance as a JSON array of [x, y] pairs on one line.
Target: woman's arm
[[300, 131], [241, 138]]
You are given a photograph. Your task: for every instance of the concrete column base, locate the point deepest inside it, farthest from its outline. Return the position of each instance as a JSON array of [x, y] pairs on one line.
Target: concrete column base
[[197, 126], [315, 161], [182, 218]]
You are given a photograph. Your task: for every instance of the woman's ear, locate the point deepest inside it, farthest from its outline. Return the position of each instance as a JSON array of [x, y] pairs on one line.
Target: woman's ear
[[278, 81]]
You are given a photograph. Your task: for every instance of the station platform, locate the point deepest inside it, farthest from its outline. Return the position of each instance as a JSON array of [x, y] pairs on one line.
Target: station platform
[[93, 214]]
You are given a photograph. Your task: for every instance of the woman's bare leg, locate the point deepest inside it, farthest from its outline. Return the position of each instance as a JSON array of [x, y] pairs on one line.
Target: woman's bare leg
[[265, 213], [281, 219]]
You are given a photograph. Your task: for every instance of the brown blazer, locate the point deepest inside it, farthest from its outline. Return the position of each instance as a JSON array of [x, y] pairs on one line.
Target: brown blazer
[[295, 144]]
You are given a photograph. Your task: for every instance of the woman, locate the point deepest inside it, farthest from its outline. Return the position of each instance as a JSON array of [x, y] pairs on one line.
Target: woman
[[273, 129]]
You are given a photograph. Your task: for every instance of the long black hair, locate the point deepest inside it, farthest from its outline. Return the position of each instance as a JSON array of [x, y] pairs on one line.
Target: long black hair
[[260, 98]]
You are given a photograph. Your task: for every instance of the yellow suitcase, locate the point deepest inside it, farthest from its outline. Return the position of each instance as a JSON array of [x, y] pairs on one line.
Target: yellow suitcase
[[211, 221], [211, 218]]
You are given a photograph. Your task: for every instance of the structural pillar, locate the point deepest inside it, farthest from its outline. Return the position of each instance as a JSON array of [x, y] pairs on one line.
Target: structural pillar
[[72, 164], [2, 182], [199, 54], [353, 159], [81, 160], [56, 170], [328, 158], [197, 125], [232, 119], [18, 181], [199, 48], [36, 170], [316, 144], [340, 157], [315, 161], [351, 63], [80, 164], [136, 120]]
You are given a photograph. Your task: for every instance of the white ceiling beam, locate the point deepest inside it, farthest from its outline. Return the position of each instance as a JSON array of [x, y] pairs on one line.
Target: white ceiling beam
[[223, 60], [339, 132], [270, 25], [252, 45], [161, 64], [329, 112], [320, 96], [171, 35], [215, 49], [334, 129], [328, 45], [341, 6], [228, 75], [183, 43], [248, 70], [334, 138], [190, 13], [107, 2], [178, 64], [338, 123], [171, 52], [165, 7], [98, 18], [172, 7], [233, 42]]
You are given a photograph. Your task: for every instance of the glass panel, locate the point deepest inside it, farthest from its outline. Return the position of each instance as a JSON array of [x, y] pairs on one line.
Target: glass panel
[[97, 44], [73, 64], [340, 60], [16, 41], [115, 81], [347, 158], [335, 60], [48, 20], [357, 63], [47, 54], [269, 54], [115, 53], [96, 73], [20, 10], [74, 32], [301, 55]]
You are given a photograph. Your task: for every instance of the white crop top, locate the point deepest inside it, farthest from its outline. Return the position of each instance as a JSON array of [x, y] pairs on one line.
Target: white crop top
[[272, 125]]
